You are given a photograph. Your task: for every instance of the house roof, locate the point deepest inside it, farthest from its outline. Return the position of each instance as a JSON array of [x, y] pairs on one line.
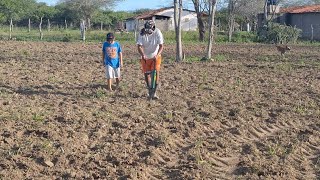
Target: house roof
[[156, 12], [150, 13], [301, 9]]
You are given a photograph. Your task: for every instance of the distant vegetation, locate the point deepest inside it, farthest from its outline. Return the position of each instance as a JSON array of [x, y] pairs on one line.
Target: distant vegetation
[[73, 35], [62, 22]]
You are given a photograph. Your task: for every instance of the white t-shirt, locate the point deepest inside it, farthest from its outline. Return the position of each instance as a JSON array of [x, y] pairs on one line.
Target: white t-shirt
[[150, 43]]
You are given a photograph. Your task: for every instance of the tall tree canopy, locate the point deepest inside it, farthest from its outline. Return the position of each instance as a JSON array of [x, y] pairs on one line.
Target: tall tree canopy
[[15, 10], [87, 8]]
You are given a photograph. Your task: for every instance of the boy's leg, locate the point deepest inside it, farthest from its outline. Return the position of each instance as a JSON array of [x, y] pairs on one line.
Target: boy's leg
[[109, 84], [110, 76], [117, 82], [117, 76]]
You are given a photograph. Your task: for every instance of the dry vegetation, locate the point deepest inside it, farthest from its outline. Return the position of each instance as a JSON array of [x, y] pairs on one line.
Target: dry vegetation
[[249, 114]]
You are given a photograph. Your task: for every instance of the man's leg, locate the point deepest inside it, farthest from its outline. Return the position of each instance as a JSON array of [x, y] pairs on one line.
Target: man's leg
[[146, 67], [157, 67]]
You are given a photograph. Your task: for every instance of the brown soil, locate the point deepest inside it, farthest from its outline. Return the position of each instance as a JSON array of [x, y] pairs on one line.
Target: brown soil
[[250, 114]]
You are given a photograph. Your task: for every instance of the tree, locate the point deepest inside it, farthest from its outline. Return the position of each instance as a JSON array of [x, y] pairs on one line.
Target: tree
[[102, 17], [87, 8], [12, 10], [43, 11], [199, 6], [249, 10], [212, 11], [286, 3], [232, 7], [177, 24], [65, 13]]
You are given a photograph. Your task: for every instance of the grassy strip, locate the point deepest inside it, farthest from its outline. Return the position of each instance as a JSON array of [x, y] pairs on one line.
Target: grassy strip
[[73, 35]]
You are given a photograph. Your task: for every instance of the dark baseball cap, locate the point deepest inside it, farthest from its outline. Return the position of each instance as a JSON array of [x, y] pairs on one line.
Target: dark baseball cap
[[110, 36]]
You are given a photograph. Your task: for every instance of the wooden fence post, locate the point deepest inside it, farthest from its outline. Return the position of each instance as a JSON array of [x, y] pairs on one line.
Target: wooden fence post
[[40, 28], [11, 27]]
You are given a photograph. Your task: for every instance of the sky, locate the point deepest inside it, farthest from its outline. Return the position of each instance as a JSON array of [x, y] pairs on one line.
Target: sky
[[129, 5]]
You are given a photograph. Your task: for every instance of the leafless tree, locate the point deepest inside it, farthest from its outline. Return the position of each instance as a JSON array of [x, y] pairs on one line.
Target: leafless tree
[[245, 8], [212, 11], [200, 7], [177, 24], [286, 3], [232, 8], [249, 10]]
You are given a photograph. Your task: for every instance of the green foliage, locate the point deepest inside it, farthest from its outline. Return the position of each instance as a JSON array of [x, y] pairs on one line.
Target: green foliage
[[15, 9], [71, 35], [277, 33], [38, 117], [66, 38], [220, 58], [244, 37], [238, 36]]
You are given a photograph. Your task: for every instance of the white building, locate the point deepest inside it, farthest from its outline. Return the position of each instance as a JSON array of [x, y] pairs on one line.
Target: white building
[[164, 19]]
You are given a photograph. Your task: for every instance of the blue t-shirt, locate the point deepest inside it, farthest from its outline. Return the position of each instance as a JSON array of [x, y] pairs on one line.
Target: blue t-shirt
[[111, 54]]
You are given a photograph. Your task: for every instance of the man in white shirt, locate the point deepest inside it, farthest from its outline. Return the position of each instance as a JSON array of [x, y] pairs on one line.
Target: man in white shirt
[[150, 47]]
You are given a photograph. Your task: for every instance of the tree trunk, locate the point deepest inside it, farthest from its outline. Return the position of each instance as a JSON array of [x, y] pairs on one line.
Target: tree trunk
[[65, 23], [40, 28], [265, 13], [201, 27], [49, 25], [213, 5], [231, 27], [88, 23], [231, 19], [101, 26], [11, 27], [29, 25], [83, 30], [136, 29], [312, 33], [248, 27], [177, 24]]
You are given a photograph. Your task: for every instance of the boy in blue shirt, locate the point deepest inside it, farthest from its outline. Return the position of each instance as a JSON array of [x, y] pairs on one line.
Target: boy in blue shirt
[[112, 59]]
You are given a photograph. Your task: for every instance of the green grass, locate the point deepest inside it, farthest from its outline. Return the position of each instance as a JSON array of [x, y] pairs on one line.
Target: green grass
[[38, 117], [73, 35], [220, 58]]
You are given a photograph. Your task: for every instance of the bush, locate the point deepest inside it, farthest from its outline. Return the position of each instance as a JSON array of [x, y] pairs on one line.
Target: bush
[[244, 37], [66, 38], [277, 33]]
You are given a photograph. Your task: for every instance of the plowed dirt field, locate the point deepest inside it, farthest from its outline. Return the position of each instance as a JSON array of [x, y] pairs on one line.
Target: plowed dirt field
[[251, 114]]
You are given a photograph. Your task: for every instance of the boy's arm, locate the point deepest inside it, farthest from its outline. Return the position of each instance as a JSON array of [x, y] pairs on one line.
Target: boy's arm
[[103, 56], [120, 57]]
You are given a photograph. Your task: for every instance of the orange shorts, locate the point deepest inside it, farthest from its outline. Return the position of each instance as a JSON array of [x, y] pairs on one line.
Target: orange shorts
[[148, 65]]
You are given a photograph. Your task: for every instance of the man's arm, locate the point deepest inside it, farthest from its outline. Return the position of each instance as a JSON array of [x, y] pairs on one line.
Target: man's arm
[[159, 50], [141, 52]]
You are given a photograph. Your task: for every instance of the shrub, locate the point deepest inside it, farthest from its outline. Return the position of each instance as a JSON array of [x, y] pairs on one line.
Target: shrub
[[243, 36], [277, 33], [66, 38]]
